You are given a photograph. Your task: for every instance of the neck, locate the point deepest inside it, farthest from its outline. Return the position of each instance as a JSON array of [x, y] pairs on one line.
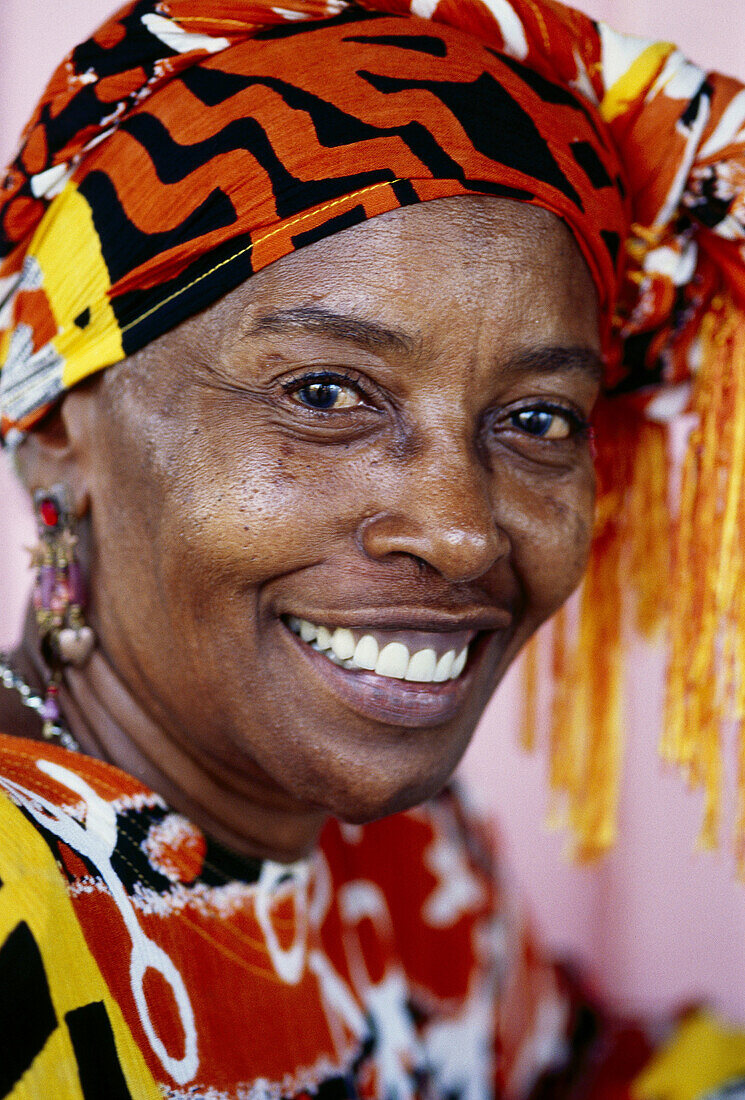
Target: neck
[[241, 808]]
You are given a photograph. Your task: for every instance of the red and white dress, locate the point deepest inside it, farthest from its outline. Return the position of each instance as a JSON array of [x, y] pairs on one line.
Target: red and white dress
[[141, 960]]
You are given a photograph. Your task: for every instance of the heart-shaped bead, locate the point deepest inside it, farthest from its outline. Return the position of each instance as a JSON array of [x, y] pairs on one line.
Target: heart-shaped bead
[[76, 646]]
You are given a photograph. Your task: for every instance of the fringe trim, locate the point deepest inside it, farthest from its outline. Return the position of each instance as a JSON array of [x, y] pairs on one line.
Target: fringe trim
[[707, 619], [681, 562]]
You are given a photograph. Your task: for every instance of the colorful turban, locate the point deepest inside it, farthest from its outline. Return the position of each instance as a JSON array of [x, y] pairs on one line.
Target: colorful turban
[[190, 143]]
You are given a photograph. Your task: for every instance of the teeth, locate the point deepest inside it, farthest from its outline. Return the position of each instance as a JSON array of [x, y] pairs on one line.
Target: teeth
[[342, 643], [459, 663], [366, 653], [422, 666], [444, 667], [393, 661]]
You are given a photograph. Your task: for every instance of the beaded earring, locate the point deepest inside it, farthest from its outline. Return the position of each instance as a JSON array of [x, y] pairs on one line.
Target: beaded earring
[[58, 597]]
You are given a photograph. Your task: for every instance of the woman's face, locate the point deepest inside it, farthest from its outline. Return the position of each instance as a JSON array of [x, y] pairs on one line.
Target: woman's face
[[382, 435]]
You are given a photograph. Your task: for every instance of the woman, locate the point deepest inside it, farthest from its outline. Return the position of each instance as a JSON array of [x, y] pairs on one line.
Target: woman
[[351, 275]]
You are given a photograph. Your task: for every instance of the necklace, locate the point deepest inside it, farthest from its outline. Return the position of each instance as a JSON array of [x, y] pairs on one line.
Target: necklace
[[53, 729]]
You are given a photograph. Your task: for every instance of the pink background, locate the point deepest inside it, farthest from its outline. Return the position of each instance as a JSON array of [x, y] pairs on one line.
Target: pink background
[[657, 923]]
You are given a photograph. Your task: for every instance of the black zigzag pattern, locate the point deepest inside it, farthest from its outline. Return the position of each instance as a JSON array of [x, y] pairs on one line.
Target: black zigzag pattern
[[114, 227], [496, 125], [418, 43], [479, 107]]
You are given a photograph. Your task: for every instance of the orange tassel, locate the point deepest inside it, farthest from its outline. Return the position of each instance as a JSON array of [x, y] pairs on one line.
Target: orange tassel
[[707, 622]]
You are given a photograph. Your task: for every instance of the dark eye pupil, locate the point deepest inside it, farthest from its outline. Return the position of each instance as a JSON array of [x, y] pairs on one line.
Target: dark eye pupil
[[319, 395], [535, 421]]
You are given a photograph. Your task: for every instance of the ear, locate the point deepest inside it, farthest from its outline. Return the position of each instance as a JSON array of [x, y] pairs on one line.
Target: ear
[[54, 452]]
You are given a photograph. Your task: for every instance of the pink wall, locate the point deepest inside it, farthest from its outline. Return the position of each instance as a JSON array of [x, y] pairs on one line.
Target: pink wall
[[657, 923]]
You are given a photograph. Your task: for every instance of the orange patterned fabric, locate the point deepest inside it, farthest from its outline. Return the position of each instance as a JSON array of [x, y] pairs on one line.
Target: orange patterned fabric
[[134, 948]]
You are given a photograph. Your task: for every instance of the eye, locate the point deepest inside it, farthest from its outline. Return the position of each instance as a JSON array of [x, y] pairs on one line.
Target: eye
[[547, 422], [326, 394]]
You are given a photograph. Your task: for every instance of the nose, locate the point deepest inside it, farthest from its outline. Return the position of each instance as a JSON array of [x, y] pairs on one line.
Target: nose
[[441, 513]]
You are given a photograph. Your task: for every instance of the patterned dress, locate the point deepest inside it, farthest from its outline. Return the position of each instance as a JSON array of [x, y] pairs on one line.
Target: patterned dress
[[141, 960]]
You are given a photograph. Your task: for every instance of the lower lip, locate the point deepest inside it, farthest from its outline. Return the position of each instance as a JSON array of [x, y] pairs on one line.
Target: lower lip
[[392, 702]]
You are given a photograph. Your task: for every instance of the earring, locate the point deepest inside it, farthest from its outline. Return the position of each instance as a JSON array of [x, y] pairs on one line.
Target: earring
[[58, 597]]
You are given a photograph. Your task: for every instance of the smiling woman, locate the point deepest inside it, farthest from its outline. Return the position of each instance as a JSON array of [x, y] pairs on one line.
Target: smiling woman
[[306, 316], [332, 448]]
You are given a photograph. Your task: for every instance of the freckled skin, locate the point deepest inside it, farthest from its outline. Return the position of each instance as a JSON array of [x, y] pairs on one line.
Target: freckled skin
[[214, 502]]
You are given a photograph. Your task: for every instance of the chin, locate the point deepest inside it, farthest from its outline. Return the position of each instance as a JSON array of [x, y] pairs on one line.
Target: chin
[[360, 798]]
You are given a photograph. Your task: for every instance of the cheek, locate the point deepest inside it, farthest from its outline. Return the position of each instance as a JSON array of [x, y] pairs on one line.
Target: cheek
[[258, 509], [551, 532]]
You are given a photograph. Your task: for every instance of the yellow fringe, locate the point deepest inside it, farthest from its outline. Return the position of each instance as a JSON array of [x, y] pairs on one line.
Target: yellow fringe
[[650, 539], [683, 567], [707, 626]]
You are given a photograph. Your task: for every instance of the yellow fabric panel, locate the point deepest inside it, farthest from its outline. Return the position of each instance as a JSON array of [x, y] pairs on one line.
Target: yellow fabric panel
[[702, 1055], [33, 891], [100, 344], [635, 81]]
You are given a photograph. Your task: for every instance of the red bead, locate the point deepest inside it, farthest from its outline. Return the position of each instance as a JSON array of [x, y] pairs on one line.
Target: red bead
[[49, 513]]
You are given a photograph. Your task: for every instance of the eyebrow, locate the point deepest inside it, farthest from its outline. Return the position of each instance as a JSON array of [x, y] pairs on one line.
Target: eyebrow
[[370, 335], [553, 359], [374, 336]]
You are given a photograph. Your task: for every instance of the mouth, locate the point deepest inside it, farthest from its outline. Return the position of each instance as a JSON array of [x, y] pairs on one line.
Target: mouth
[[403, 677]]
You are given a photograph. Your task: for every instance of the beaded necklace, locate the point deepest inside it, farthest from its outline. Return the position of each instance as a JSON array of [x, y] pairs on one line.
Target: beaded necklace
[[53, 728]]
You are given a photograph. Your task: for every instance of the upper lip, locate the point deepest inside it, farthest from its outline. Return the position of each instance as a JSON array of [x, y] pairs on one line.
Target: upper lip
[[424, 619]]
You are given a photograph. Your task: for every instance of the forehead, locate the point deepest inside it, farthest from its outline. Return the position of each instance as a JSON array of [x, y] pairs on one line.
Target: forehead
[[453, 261]]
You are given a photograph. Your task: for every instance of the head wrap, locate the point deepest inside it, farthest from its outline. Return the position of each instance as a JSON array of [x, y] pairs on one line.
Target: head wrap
[[189, 143]]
